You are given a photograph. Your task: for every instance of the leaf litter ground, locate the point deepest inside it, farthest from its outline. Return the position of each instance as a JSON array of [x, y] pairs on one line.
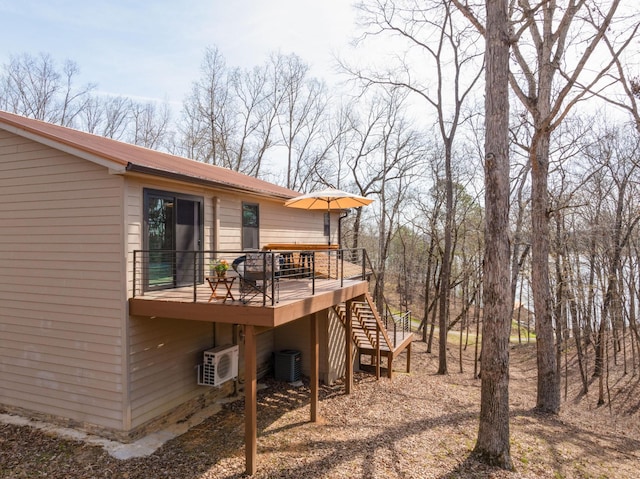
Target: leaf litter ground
[[419, 425]]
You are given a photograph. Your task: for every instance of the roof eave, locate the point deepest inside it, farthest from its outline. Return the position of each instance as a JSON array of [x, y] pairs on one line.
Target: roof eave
[[113, 166], [145, 170]]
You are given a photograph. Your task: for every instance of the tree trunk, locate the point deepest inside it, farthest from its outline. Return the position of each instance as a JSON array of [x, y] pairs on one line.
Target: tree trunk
[[476, 356], [492, 445], [548, 398], [427, 297], [445, 272], [576, 327], [356, 229], [435, 309]]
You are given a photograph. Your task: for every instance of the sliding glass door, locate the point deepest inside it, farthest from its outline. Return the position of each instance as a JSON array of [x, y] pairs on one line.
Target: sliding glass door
[[173, 234]]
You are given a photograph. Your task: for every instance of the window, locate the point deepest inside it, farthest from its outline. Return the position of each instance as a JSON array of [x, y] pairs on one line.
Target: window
[[250, 226]]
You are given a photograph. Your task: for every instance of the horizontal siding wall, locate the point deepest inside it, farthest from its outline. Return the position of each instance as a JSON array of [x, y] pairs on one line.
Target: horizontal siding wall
[[296, 335], [278, 224], [264, 353], [134, 198], [335, 354], [60, 284], [164, 354]]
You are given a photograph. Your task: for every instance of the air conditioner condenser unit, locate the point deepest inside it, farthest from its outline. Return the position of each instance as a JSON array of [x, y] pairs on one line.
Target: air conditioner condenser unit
[[219, 365]]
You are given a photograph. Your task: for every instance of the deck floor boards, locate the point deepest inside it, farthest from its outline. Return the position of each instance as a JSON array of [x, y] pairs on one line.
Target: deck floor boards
[[290, 290]]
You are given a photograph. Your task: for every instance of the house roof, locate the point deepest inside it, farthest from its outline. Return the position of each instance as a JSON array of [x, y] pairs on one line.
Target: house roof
[[123, 157]]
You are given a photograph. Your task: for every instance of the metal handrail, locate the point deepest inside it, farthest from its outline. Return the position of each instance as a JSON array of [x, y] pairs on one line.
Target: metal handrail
[[159, 269], [404, 318]]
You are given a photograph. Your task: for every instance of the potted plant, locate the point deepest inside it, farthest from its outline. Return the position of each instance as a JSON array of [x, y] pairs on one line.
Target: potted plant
[[220, 267]]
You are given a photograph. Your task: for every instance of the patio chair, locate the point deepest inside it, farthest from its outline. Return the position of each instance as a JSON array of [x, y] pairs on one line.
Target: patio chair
[[259, 276]]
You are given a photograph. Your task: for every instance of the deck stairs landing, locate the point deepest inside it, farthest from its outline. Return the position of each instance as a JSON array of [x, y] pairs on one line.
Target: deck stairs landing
[[373, 337]]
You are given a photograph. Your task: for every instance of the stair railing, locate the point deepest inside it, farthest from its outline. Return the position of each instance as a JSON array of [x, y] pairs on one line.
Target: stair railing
[[400, 321]]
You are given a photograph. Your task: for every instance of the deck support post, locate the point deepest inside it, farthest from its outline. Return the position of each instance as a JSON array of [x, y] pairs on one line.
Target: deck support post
[[348, 351], [315, 367], [377, 352], [408, 358], [250, 399]]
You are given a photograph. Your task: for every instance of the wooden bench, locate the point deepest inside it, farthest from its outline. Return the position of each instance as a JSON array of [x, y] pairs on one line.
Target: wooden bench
[[299, 246], [296, 261]]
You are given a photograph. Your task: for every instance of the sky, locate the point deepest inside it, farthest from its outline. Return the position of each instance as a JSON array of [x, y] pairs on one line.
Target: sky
[[153, 50]]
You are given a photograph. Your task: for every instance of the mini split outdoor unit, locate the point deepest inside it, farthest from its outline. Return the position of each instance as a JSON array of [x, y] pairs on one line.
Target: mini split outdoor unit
[[219, 366]]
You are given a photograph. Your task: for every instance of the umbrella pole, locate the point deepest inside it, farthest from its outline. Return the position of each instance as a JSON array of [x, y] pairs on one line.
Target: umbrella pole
[[329, 243], [329, 228]]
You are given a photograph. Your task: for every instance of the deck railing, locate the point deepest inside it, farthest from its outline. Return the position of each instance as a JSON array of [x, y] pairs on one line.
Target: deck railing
[[165, 270], [398, 322]]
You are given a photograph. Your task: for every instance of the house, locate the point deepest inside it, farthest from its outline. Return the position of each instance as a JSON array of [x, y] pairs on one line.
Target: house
[[92, 336]]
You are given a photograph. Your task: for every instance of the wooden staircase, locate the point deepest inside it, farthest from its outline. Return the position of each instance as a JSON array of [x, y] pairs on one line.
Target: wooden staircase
[[373, 338]]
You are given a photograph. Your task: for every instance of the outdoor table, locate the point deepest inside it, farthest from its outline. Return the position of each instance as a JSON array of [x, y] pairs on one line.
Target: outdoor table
[[215, 281]]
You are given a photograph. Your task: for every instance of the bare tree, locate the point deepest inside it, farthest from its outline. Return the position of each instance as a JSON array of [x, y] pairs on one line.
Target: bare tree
[[365, 141], [257, 102], [554, 68], [150, 124], [620, 158], [400, 154], [492, 444], [429, 210], [107, 116], [116, 114], [622, 76], [34, 86], [239, 118], [206, 125], [451, 53], [384, 153], [301, 119]]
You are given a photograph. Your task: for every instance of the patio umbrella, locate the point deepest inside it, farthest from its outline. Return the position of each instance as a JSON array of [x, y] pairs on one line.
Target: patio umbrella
[[328, 199]]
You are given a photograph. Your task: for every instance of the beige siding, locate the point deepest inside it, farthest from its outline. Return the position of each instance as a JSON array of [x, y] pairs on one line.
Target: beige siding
[[134, 201], [278, 224], [230, 220], [164, 354], [335, 354], [264, 353], [296, 335], [68, 229], [60, 284]]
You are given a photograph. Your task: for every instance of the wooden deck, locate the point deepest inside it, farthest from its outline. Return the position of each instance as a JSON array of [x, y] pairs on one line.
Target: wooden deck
[[296, 299]]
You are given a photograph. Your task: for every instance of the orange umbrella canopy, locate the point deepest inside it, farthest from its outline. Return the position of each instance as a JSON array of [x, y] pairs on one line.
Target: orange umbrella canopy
[[328, 199]]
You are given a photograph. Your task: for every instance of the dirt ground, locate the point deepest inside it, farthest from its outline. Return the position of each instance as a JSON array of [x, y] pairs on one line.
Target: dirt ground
[[419, 425]]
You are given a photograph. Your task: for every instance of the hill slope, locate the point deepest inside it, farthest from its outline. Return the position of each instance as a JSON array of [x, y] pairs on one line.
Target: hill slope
[[417, 426]]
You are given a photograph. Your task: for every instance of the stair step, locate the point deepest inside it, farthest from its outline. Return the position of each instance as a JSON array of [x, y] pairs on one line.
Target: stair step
[[364, 325]]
